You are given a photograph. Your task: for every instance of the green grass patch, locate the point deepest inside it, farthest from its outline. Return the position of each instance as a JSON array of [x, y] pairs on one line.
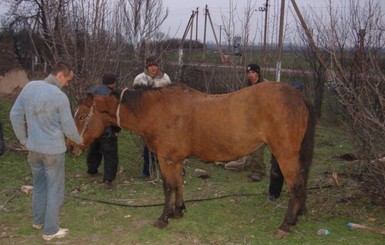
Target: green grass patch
[[243, 217]]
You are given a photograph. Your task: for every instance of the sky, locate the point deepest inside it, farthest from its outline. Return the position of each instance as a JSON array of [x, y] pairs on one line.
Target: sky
[[181, 10]]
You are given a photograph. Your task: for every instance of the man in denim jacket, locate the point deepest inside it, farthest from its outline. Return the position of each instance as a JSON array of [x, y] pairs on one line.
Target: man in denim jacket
[[46, 111]]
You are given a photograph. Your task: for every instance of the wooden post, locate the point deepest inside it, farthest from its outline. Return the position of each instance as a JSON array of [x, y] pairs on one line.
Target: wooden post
[[309, 35]]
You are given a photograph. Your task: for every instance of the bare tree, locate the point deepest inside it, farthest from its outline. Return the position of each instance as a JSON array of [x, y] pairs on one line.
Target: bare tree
[[140, 21], [246, 22], [95, 45], [352, 36], [38, 18], [228, 24], [92, 35]]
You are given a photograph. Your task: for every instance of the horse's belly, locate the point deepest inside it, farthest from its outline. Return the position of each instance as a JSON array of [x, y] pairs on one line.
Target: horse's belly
[[226, 150]]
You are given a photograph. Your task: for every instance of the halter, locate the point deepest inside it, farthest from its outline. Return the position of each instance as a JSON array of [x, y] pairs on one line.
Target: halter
[[118, 109], [91, 113], [87, 120]]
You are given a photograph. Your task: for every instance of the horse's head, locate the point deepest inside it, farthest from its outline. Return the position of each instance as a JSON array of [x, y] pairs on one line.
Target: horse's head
[[91, 118]]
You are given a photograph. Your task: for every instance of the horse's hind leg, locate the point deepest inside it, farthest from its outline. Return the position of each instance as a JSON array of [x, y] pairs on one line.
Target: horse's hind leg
[[295, 206], [297, 192]]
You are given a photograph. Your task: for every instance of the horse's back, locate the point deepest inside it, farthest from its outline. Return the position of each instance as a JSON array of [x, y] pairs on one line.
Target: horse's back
[[228, 126], [234, 124]]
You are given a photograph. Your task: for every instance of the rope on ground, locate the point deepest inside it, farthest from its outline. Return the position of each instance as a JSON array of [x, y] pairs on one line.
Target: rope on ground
[[161, 204], [186, 201]]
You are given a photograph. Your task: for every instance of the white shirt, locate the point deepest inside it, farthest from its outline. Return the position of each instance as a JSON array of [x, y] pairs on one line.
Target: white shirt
[[160, 80]]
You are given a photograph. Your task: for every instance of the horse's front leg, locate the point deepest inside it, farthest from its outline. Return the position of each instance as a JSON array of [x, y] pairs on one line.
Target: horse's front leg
[[173, 191], [179, 190]]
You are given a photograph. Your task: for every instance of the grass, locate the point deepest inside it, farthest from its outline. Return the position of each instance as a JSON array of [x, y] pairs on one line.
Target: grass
[[237, 219]]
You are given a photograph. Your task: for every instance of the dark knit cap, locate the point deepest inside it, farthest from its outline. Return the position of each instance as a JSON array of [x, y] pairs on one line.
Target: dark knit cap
[[151, 61], [253, 67], [109, 78]]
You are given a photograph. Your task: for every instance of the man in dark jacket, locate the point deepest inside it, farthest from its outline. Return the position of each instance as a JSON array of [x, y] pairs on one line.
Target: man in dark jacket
[[107, 145], [257, 165], [255, 161]]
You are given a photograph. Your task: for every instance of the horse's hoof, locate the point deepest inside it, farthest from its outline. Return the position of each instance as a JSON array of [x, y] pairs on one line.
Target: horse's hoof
[[281, 234], [302, 211], [177, 215], [161, 223]]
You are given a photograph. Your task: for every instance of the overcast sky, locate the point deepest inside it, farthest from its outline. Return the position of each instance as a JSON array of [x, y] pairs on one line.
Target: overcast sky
[[180, 12]]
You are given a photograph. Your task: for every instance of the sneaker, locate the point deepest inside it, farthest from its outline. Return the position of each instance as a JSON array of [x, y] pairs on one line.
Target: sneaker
[[60, 234], [37, 226], [236, 165]]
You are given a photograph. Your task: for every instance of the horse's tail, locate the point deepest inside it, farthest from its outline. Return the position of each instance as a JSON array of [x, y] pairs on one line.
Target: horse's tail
[[307, 145]]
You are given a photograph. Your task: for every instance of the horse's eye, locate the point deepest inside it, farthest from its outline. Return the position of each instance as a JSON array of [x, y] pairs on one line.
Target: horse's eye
[[82, 118]]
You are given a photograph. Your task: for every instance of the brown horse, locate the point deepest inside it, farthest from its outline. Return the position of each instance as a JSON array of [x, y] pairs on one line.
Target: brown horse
[[178, 122]]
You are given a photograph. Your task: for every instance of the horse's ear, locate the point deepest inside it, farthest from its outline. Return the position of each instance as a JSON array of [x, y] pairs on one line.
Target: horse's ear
[[77, 99], [89, 100]]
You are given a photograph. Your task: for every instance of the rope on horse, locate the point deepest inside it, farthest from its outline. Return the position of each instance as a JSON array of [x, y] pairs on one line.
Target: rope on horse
[[118, 109]]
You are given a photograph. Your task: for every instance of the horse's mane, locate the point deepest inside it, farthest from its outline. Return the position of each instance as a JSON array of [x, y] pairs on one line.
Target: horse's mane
[[132, 97]]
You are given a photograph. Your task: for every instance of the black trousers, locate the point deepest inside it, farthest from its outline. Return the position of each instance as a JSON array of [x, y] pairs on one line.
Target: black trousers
[[107, 148], [147, 157], [276, 178]]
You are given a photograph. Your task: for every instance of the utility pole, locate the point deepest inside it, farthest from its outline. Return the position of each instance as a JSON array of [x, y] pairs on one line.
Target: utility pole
[[181, 44], [264, 9], [204, 35], [280, 42], [196, 27], [215, 37], [220, 35], [191, 30]]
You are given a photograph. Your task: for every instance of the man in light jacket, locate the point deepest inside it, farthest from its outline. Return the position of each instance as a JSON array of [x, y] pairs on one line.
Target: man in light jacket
[[152, 77], [45, 110]]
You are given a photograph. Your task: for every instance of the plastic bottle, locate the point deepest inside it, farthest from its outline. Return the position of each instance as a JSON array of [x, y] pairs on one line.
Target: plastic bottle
[[323, 232]]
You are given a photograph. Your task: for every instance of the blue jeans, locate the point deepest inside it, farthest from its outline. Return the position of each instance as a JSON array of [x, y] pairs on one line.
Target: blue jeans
[[48, 189]]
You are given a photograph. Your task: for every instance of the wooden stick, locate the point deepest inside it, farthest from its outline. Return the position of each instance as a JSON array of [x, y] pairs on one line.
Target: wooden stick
[[364, 227]]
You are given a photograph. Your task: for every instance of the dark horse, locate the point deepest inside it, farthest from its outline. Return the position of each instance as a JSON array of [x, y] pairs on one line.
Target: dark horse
[[178, 122]]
